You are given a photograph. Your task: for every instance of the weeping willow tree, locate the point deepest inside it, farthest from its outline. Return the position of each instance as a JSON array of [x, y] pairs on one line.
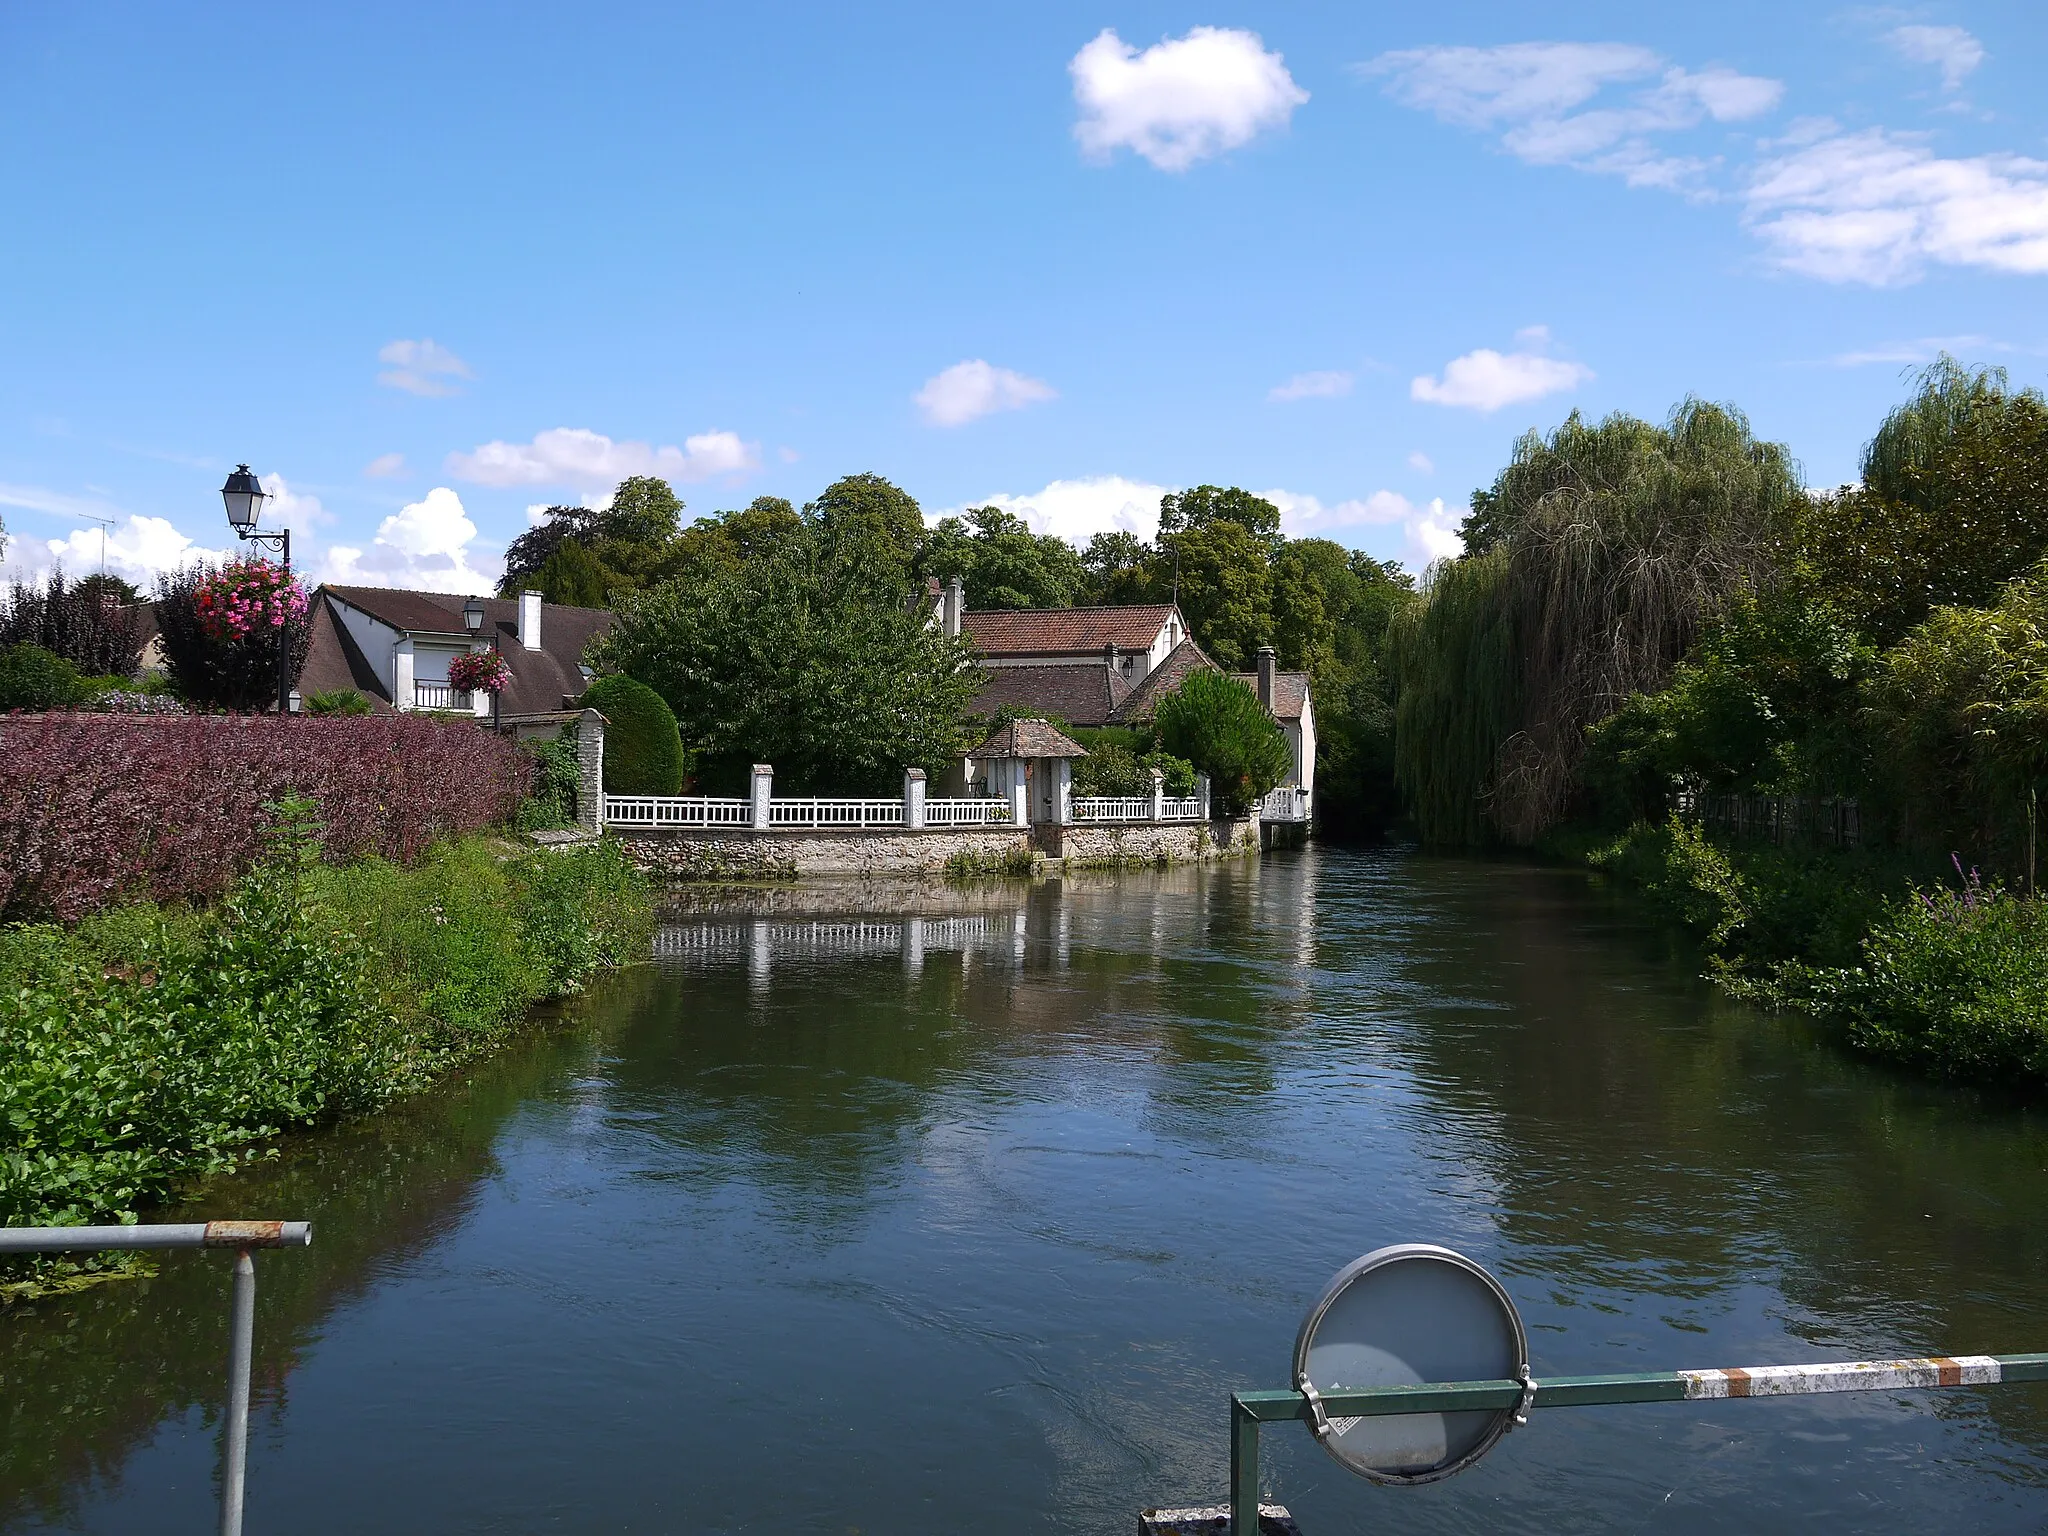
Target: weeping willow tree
[[1591, 565]]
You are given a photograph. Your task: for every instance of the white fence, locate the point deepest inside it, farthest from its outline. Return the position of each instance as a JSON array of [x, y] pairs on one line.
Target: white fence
[[1134, 808], [439, 696], [1287, 803], [676, 811], [982, 811], [813, 811]]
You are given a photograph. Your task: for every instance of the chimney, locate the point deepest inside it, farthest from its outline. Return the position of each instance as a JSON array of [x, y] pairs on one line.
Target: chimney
[[1109, 655], [529, 620], [1269, 664], [955, 605]]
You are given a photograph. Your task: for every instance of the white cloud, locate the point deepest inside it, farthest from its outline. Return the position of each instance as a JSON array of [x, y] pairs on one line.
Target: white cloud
[[1312, 386], [577, 457], [1421, 463], [138, 549], [1924, 350], [1486, 380], [968, 391], [385, 466], [1529, 92], [1950, 49], [1181, 100], [426, 546], [1878, 208], [1434, 534], [1429, 530], [1076, 510], [422, 367]]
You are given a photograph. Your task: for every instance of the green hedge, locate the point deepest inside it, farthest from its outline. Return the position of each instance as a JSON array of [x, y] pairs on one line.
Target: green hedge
[[643, 751]]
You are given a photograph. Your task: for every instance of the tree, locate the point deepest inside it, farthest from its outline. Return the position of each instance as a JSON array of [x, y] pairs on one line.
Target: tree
[[631, 540], [1217, 723], [643, 751], [870, 508], [1003, 563], [93, 624], [1116, 568], [571, 575], [1226, 588], [801, 654], [1207, 505]]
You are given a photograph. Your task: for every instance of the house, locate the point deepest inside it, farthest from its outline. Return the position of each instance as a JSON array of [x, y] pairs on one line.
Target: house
[[393, 647], [1109, 666]]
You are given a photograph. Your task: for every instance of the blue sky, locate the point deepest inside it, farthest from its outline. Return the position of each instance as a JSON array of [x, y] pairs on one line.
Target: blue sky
[[426, 267]]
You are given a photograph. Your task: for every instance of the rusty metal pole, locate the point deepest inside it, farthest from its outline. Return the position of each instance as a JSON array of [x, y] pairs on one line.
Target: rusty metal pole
[[241, 1345]]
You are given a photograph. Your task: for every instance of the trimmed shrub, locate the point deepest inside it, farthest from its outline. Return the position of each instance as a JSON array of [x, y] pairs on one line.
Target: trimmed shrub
[[1217, 723], [33, 678], [643, 751], [98, 809]]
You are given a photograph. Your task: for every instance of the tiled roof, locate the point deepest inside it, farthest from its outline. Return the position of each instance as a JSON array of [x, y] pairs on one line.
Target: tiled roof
[[1078, 693], [1028, 738], [1065, 631], [1290, 692], [334, 660], [1161, 680]]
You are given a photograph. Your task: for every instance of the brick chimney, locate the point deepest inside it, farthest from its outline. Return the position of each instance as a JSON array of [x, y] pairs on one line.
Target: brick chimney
[[529, 620], [955, 605], [1269, 666]]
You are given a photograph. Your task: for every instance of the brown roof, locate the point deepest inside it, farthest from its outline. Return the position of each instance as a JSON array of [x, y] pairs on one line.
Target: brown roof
[[1065, 631], [1080, 694], [1028, 738], [334, 660], [1290, 692], [1163, 679]]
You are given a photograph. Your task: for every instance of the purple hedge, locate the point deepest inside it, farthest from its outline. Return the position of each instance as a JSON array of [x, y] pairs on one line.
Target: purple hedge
[[95, 809]]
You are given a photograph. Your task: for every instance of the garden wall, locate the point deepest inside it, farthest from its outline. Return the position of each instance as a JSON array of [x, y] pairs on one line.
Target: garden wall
[[1146, 842]]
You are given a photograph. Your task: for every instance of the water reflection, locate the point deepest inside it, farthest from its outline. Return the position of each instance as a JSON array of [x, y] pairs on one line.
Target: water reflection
[[910, 1209]]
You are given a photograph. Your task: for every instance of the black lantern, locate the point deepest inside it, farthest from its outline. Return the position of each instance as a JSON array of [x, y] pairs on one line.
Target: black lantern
[[473, 615], [244, 497]]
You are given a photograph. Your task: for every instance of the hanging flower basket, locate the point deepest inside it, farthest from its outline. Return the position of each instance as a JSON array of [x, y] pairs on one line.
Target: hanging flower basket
[[479, 672], [248, 598]]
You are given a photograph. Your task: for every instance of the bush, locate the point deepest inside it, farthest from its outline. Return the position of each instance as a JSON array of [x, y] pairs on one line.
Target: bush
[[94, 624], [1218, 724], [643, 751], [97, 809], [33, 678], [1113, 769], [220, 628], [149, 1044], [557, 779], [337, 701]]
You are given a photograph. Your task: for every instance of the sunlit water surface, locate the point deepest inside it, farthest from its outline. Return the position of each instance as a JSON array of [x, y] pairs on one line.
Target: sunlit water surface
[[863, 1223]]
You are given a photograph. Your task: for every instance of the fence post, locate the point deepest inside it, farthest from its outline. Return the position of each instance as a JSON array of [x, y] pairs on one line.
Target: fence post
[[1158, 795], [1020, 792], [1202, 796], [590, 771], [764, 790], [913, 799]]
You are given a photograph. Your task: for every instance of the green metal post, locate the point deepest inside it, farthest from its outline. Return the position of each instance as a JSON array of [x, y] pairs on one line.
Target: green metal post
[[1244, 1469]]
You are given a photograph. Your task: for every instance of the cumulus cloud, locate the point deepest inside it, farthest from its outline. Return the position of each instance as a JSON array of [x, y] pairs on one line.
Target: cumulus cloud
[[1879, 208], [1433, 535], [1950, 49], [428, 546], [1181, 100], [1312, 386], [1531, 93], [385, 466], [1486, 380], [1076, 510], [968, 391], [422, 367], [575, 456], [137, 549]]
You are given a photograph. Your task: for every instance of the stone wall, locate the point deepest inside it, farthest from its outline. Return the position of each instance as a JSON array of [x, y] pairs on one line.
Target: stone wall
[[1147, 842], [783, 853]]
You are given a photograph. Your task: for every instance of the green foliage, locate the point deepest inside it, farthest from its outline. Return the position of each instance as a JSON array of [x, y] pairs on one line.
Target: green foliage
[[598, 556], [1954, 501], [35, 679], [557, 778], [1207, 506], [643, 751], [802, 652], [573, 576], [1017, 863], [1217, 724], [1459, 695], [1115, 568], [1003, 563], [868, 513], [337, 701], [1114, 769], [150, 1044]]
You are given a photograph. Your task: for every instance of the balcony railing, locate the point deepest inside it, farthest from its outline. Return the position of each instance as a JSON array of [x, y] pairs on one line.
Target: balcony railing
[[439, 696]]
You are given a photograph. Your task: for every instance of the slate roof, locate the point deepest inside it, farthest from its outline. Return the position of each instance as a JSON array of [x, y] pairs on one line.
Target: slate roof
[[1028, 738], [1079, 694], [1065, 631], [334, 660]]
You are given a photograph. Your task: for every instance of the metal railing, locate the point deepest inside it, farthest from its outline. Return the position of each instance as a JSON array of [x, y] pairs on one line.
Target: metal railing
[[1248, 1410], [980, 811], [439, 696], [814, 811], [243, 1236], [677, 811]]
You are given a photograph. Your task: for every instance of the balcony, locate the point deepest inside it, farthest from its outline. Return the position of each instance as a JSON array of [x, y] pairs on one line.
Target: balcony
[[440, 696]]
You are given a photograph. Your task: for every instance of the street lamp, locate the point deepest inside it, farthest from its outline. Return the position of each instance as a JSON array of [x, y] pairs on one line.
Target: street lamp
[[473, 615], [244, 496]]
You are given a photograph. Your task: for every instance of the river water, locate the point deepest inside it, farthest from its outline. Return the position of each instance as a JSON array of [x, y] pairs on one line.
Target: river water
[[840, 1222]]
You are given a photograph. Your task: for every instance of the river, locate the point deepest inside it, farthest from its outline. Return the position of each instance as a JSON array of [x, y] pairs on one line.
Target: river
[[839, 1223]]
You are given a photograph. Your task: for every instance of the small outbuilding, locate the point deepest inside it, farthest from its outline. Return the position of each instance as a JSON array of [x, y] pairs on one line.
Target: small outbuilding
[[1030, 764]]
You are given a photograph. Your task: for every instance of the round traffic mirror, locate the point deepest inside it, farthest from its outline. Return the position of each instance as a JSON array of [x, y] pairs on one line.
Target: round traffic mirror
[[1401, 1316]]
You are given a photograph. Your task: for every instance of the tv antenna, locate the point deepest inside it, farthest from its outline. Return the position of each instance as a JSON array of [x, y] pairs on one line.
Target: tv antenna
[[106, 527]]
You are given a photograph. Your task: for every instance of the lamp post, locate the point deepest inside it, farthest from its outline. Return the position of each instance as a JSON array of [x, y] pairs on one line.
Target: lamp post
[[244, 496], [473, 621]]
